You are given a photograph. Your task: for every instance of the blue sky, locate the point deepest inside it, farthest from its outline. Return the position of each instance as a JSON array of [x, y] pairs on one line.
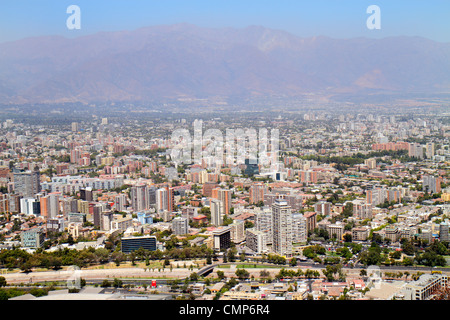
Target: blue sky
[[333, 18]]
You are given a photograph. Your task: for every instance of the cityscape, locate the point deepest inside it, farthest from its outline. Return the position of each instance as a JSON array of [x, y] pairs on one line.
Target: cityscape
[[331, 193]]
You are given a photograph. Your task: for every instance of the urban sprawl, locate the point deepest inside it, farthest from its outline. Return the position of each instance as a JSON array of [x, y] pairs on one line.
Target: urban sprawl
[[356, 206]]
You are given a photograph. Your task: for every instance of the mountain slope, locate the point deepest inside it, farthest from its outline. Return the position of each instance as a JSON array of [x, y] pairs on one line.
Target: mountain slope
[[188, 61]]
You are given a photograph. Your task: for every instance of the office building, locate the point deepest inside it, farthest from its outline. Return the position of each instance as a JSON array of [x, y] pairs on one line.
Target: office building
[[335, 231], [86, 194], [144, 218], [29, 206], [251, 167], [55, 224], [33, 238], [221, 238], [130, 244]]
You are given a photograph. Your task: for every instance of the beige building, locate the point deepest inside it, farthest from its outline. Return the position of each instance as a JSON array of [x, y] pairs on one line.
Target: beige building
[[122, 224], [360, 233], [425, 287], [335, 231]]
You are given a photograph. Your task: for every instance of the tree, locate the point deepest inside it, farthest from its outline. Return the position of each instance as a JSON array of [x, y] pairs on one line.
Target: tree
[[242, 274], [105, 284], [194, 276], [293, 262], [3, 282], [117, 283], [407, 247], [264, 274], [372, 256], [220, 274], [347, 237], [332, 270]]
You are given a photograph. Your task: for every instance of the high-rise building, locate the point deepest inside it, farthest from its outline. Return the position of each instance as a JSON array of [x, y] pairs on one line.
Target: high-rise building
[[282, 228], [86, 194], [299, 233], [222, 238], [120, 202], [429, 150], [255, 240], [362, 210], [371, 163], [216, 208], [323, 208], [224, 196], [311, 221], [27, 206], [376, 196], [97, 215], [208, 188], [431, 184], [263, 223], [139, 199], [257, 193], [75, 127], [415, 150], [165, 199], [444, 232], [27, 184], [308, 176], [237, 231], [180, 226], [50, 205]]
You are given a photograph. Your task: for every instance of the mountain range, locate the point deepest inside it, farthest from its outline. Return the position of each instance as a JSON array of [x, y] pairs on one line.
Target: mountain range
[[186, 61]]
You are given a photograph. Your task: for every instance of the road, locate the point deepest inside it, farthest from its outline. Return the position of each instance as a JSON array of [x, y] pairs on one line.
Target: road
[[180, 273]]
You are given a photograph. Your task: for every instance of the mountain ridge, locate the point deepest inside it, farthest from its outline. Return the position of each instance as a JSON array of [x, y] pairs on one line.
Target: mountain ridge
[[185, 60]]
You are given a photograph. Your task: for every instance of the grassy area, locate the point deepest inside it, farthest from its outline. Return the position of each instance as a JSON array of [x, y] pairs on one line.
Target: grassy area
[[257, 266]]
